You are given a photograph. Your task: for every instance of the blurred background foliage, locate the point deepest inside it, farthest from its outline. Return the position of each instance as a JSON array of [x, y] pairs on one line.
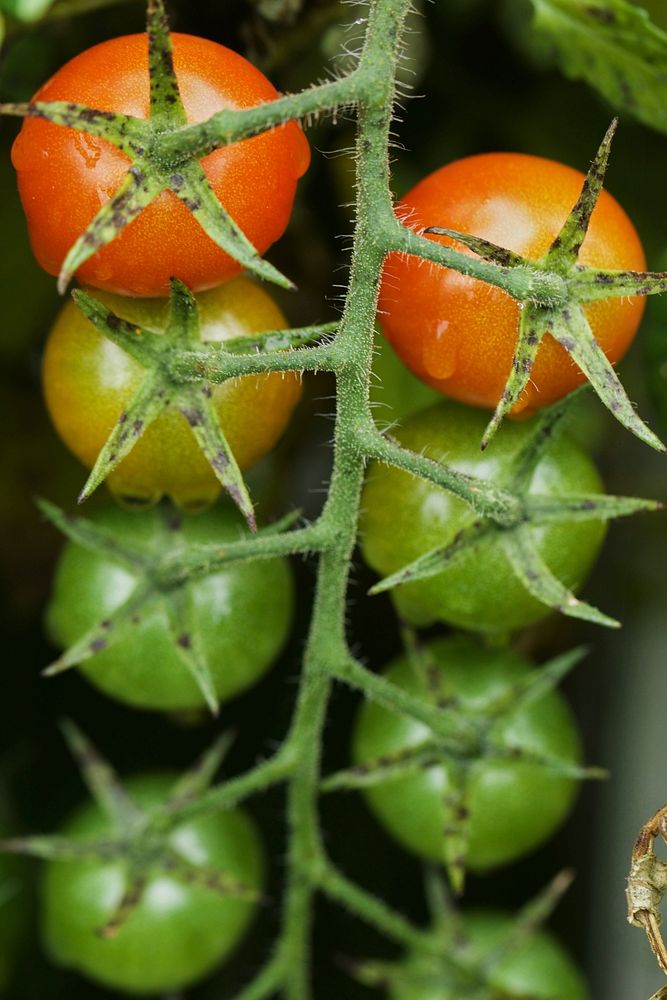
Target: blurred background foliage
[[481, 83]]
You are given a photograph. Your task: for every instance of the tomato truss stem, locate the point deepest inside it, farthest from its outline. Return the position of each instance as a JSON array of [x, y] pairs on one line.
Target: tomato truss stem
[[349, 355]]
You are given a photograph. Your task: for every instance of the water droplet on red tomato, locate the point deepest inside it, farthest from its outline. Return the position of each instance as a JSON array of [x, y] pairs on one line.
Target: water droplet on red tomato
[[439, 353]]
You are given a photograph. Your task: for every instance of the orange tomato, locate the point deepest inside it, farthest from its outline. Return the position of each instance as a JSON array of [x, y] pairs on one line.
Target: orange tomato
[[458, 334], [65, 176]]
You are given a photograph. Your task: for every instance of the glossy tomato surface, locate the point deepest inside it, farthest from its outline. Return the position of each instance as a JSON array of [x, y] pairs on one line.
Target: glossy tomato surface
[[537, 967], [179, 932], [242, 615], [404, 517], [66, 176], [88, 382], [513, 805], [457, 333]]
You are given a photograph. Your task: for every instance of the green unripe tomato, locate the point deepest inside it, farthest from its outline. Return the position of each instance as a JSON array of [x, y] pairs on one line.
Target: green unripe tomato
[[242, 615], [404, 517], [179, 932], [538, 968], [513, 805]]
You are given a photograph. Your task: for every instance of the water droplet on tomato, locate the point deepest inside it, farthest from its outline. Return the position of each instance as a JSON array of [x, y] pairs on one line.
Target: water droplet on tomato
[[439, 353]]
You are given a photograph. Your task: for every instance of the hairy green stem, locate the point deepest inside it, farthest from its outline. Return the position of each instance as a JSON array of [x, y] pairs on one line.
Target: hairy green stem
[[370, 908], [451, 730], [230, 126], [327, 641], [485, 498], [267, 982], [205, 559], [225, 796], [217, 366], [525, 284]]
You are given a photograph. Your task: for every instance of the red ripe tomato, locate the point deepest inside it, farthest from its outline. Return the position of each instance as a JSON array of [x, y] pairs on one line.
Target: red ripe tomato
[[65, 176], [457, 333]]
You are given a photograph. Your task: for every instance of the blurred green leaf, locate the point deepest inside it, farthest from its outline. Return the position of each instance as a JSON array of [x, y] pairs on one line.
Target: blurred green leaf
[[615, 47]]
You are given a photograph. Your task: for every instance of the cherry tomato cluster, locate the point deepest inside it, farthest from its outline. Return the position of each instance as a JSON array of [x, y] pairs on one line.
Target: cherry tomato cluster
[[180, 931], [156, 640]]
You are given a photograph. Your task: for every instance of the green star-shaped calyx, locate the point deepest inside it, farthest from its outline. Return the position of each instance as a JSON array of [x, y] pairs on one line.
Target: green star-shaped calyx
[[139, 839], [160, 390], [473, 736], [164, 571], [451, 968], [151, 171], [517, 537]]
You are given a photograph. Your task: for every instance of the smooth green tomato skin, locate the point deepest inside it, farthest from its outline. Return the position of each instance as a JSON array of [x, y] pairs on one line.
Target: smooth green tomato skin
[[178, 933], [514, 806], [538, 969], [404, 517], [243, 612]]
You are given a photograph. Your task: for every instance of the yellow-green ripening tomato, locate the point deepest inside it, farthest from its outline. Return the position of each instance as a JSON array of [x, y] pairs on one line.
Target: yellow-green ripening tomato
[[88, 382]]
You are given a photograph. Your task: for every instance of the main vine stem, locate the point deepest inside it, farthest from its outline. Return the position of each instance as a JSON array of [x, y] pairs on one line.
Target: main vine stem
[[327, 647]]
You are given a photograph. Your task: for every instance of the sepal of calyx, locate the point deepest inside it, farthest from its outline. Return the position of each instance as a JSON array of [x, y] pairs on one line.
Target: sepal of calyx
[[449, 968], [474, 738], [140, 839], [164, 572], [160, 389], [516, 537], [150, 173], [566, 320]]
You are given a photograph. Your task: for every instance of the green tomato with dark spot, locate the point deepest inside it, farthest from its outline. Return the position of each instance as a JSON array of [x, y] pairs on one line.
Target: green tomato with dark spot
[[537, 968], [512, 803], [242, 614], [179, 932], [403, 517]]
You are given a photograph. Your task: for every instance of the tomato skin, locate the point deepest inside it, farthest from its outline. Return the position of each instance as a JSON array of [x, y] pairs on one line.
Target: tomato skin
[[403, 517], [65, 176], [178, 933], [457, 333], [514, 806], [88, 382], [142, 667], [538, 968]]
